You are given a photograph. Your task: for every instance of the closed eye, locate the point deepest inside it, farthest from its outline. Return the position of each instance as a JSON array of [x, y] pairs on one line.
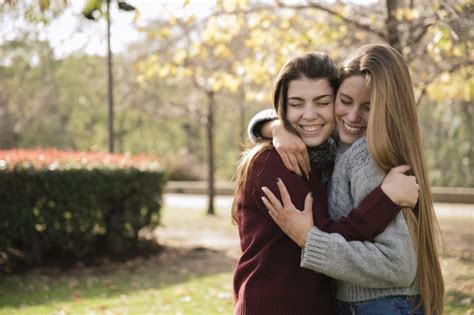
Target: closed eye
[[295, 104]]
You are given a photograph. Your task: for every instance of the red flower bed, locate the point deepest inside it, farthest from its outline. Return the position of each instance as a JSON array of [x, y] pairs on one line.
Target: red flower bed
[[53, 159]]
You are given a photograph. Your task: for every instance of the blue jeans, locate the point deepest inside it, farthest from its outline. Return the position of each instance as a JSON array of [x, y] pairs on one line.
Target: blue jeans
[[387, 305]]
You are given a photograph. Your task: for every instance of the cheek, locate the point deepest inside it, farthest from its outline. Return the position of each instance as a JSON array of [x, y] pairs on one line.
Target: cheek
[[291, 114], [365, 117], [328, 113], [338, 110]]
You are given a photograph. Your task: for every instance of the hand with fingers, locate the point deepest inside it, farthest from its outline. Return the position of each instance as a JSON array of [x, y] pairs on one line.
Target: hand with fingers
[[293, 222], [400, 188], [291, 149]]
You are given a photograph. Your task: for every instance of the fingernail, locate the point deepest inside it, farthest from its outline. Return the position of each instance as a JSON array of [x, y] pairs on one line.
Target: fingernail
[[278, 179], [263, 188], [312, 195]]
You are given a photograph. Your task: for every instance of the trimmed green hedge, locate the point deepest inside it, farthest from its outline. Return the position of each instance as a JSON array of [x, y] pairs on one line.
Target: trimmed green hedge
[[76, 212]]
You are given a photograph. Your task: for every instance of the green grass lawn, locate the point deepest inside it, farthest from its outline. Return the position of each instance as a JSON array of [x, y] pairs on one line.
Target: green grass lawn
[[191, 275], [172, 291]]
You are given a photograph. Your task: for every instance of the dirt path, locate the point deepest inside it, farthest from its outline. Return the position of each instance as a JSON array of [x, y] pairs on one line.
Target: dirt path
[[185, 226]]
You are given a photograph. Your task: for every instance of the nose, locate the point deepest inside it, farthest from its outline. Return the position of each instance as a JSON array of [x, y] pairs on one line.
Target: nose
[[310, 113], [354, 114]]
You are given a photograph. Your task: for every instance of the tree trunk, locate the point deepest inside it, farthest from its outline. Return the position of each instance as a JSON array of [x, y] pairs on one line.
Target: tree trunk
[[392, 23], [467, 110], [119, 135], [188, 131], [110, 84], [8, 137], [210, 151]]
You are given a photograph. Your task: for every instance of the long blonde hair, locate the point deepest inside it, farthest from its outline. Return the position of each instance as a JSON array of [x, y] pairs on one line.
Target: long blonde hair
[[312, 65], [394, 138]]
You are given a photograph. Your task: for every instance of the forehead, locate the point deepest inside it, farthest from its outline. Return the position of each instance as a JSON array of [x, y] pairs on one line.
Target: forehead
[[305, 87], [355, 85]]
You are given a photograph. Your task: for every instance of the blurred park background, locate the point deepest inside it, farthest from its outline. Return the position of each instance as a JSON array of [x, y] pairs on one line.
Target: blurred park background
[[104, 101]]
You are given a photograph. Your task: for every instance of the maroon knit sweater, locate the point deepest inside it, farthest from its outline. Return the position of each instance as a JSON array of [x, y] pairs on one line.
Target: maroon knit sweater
[[268, 278]]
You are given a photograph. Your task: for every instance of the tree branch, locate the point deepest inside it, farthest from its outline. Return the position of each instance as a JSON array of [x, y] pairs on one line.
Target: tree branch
[[452, 69], [310, 5], [314, 5], [422, 93], [415, 40]]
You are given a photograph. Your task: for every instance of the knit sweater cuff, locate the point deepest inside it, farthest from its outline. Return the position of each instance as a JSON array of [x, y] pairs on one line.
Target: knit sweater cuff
[[257, 121], [315, 251]]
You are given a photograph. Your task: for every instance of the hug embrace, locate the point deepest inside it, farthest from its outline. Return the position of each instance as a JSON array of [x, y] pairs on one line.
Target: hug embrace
[[332, 203]]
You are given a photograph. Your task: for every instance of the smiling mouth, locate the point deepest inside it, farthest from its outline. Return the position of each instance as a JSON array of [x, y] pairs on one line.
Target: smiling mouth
[[352, 129], [311, 128]]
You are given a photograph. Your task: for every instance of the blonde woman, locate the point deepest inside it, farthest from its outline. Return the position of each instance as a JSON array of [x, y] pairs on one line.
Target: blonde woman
[[378, 129]]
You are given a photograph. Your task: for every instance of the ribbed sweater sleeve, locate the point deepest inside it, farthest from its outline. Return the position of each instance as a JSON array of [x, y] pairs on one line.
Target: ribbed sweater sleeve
[[363, 223], [255, 125], [369, 219]]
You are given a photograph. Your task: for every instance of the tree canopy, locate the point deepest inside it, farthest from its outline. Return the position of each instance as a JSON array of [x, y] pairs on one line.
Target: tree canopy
[[224, 62]]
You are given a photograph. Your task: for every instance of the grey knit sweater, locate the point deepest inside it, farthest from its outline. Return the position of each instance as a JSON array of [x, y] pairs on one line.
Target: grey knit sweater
[[363, 270]]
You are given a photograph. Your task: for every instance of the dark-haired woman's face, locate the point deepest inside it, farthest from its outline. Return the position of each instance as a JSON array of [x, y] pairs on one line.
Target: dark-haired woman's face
[[310, 109], [352, 109]]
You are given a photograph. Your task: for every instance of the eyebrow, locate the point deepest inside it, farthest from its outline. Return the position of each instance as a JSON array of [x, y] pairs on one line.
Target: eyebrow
[[345, 95], [314, 99]]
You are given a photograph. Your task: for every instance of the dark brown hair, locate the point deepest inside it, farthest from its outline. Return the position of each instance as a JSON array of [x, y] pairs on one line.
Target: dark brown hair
[[312, 65]]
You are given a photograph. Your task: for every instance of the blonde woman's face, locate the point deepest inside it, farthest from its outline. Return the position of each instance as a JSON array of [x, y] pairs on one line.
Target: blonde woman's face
[[352, 109], [310, 109]]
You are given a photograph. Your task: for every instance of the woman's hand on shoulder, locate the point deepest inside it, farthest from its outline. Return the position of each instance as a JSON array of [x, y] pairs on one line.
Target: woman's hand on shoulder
[[293, 222], [400, 188], [291, 149]]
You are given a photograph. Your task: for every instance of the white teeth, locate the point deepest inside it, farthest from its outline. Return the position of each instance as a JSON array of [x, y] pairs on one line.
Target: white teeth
[[312, 128], [351, 129]]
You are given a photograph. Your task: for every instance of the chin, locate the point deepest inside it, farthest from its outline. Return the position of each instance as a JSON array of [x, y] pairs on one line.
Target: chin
[[349, 140], [313, 142]]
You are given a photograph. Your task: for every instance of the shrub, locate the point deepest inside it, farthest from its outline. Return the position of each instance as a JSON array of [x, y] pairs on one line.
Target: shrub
[[76, 204]]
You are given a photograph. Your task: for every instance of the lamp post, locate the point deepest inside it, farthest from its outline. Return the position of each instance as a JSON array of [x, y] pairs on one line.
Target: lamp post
[[110, 89], [95, 6]]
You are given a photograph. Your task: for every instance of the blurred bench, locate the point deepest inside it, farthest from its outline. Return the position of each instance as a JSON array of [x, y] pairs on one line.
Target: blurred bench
[[453, 194], [440, 194], [199, 188]]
